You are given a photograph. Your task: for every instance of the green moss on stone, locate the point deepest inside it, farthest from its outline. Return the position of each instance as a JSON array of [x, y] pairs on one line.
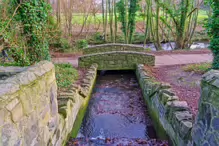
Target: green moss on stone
[[161, 133], [81, 113]]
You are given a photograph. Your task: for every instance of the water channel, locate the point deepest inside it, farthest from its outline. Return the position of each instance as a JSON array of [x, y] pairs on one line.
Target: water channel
[[117, 114]]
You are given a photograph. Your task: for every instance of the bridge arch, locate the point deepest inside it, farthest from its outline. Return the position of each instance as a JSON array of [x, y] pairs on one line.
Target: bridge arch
[[117, 60]]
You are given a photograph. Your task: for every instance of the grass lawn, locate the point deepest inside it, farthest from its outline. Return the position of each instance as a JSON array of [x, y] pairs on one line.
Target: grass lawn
[[200, 68], [65, 75], [78, 18]]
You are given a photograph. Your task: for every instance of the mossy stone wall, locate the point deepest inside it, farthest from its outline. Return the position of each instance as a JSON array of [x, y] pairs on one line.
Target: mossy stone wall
[[170, 115], [206, 128], [112, 47], [117, 60], [31, 112], [28, 106]]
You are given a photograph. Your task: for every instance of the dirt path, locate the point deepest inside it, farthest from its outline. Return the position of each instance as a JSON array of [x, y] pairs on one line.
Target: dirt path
[[186, 85], [178, 59], [160, 60]]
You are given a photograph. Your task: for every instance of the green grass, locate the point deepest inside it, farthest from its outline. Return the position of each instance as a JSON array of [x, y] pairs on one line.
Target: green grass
[[200, 68], [65, 75], [78, 18], [202, 16], [9, 64]]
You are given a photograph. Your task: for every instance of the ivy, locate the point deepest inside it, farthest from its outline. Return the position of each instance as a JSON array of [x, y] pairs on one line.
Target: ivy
[[127, 15], [213, 31], [33, 15], [29, 23]]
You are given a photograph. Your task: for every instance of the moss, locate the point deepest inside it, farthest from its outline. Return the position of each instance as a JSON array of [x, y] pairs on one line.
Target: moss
[[161, 133], [81, 113]]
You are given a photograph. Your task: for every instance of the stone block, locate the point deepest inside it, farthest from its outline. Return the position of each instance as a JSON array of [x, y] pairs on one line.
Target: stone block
[[17, 112], [12, 104], [183, 116], [7, 88], [215, 124], [178, 105], [185, 128], [2, 117], [10, 135], [53, 100]]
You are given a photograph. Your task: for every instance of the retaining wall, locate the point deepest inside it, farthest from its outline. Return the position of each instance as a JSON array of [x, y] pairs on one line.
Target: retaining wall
[[168, 113]]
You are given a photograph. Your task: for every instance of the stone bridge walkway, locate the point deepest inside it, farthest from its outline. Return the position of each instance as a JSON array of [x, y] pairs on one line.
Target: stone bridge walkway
[[163, 60]]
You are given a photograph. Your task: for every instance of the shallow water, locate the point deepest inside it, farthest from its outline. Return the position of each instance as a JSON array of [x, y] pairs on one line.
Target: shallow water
[[170, 46], [117, 112], [117, 109]]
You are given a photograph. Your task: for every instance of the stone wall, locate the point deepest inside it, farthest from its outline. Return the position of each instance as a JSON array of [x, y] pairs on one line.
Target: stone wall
[[28, 106], [72, 105], [117, 60], [112, 47], [206, 128], [30, 113], [6, 72], [168, 113]]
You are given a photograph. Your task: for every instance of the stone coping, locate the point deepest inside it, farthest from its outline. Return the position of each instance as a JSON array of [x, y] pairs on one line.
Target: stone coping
[[117, 52], [112, 47], [9, 71], [114, 44], [13, 84]]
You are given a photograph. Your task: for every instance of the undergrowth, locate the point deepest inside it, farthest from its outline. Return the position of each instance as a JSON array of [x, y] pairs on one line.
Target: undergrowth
[[65, 75], [200, 68]]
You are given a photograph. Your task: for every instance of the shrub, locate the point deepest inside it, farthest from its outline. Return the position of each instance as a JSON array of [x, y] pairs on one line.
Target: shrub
[[81, 44], [200, 68]]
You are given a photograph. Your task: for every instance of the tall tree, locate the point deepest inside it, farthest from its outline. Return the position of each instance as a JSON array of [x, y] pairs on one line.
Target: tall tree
[[127, 14], [180, 15]]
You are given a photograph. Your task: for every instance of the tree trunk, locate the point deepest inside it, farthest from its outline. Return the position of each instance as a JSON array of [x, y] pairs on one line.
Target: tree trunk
[[106, 21], [115, 21], [110, 19], [126, 21], [157, 44], [58, 13], [180, 28]]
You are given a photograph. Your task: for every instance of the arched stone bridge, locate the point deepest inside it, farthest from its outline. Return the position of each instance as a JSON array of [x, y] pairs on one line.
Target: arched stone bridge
[[115, 57]]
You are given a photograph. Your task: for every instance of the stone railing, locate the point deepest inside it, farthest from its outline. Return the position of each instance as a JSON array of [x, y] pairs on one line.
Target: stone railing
[[206, 128], [122, 60], [171, 116], [112, 47], [30, 113]]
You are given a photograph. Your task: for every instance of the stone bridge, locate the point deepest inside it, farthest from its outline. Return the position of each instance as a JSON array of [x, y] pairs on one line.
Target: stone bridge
[[115, 57]]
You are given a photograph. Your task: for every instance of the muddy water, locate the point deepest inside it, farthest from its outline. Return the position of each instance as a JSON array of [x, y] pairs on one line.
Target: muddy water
[[117, 113]]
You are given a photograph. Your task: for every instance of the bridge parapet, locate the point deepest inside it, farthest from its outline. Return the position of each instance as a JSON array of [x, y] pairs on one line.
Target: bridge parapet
[[117, 60], [112, 47]]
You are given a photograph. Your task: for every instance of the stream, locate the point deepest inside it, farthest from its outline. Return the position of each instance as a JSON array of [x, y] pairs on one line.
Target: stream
[[117, 114], [171, 45]]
